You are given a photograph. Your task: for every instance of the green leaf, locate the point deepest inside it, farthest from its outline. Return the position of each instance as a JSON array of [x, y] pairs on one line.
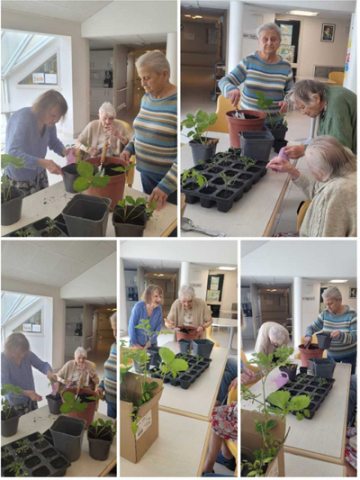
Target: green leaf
[[81, 184], [134, 426], [166, 355], [7, 160], [279, 399], [300, 402], [179, 365], [100, 182], [85, 169], [130, 200]]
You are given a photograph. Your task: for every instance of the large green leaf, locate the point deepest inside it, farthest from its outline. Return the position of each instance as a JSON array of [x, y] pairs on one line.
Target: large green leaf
[[7, 160], [81, 184], [85, 169], [300, 402], [100, 182], [279, 399], [166, 355]]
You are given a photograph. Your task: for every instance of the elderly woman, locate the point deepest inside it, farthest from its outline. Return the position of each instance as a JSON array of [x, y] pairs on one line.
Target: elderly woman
[[149, 307], [189, 311], [263, 71], [336, 108], [155, 141], [332, 190], [107, 386], [29, 133], [107, 129], [17, 361], [340, 322], [78, 372], [271, 336]]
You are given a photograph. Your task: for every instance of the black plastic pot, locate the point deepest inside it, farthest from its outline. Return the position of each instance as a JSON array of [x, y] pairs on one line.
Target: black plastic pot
[[135, 226], [10, 426], [279, 132], [70, 174], [184, 346], [203, 152], [54, 403], [322, 367], [257, 144], [67, 433], [324, 340], [185, 381], [87, 216], [99, 448], [202, 347], [11, 210]]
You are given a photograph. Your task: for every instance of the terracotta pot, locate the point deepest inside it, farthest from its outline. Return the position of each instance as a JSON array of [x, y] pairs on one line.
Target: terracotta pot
[[187, 333], [88, 414], [255, 121], [115, 188], [313, 351]]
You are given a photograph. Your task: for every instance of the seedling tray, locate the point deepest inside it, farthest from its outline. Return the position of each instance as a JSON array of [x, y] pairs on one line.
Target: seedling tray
[[38, 229], [196, 367], [40, 459], [217, 193], [318, 388]]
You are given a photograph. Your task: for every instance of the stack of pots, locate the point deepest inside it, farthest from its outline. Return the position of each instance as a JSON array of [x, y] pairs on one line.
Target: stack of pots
[[254, 120]]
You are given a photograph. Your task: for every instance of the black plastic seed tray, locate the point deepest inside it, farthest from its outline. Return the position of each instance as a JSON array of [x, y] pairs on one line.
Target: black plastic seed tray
[[197, 365], [32, 456], [40, 228], [317, 387]]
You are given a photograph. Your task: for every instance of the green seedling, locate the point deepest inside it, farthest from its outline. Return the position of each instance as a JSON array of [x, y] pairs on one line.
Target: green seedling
[[247, 162], [87, 178], [129, 212], [100, 427], [192, 174], [6, 409], [8, 160], [71, 403], [199, 124]]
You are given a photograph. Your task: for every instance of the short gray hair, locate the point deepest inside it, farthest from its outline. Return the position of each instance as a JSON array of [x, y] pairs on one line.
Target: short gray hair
[[155, 60], [332, 292], [305, 90], [268, 26], [279, 334], [108, 109], [186, 291], [326, 155], [80, 351]]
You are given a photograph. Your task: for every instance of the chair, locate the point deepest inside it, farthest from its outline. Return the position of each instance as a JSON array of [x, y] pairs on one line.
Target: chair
[[223, 105], [300, 214], [337, 77]]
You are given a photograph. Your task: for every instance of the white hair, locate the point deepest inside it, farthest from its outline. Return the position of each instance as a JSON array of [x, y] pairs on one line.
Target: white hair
[[278, 334], [155, 60], [268, 26], [332, 292], [186, 291], [108, 109], [80, 351]]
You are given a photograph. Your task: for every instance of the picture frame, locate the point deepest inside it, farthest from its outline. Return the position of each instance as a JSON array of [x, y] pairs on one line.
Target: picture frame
[[352, 292], [327, 32]]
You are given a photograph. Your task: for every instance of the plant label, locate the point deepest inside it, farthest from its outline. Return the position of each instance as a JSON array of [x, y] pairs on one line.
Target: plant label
[[144, 424]]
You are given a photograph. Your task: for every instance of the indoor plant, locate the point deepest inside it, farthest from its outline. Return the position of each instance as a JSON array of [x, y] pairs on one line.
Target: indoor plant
[[100, 436], [130, 216], [9, 415], [243, 121], [203, 147], [11, 197], [277, 123]]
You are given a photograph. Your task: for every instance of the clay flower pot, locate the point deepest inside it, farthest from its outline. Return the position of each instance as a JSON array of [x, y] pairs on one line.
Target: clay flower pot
[[88, 414], [312, 351], [187, 333], [254, 120]]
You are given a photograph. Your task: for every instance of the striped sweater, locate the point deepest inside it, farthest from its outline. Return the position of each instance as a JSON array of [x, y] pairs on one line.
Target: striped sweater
[[273, 79], [345, 344], [109, 382], [155, 139]]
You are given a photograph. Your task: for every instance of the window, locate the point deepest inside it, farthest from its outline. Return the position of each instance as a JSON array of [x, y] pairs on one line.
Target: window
[[45, 74], [34, 324]]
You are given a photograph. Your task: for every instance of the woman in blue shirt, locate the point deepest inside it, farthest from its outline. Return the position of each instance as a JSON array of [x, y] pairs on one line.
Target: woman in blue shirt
[[147, 308], [29, 133]]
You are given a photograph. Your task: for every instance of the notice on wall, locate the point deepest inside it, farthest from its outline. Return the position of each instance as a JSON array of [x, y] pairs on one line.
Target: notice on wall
[[38, 78], [144, 424], [51, 78]]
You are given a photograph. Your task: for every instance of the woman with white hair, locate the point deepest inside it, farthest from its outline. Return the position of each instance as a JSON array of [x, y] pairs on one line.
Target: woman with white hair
[[79, 372], [155, 139], [331, 189], [261, 72], [339, 321], [107, 129], [189, 311], [271, 335], [333, 104]]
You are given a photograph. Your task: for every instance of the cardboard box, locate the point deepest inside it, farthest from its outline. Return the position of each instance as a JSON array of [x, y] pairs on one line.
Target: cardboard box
[[252, 440], [133, 447]]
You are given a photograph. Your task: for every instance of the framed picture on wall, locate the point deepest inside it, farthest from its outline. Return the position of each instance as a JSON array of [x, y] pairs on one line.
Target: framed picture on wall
[[327, 32], [352, 292]]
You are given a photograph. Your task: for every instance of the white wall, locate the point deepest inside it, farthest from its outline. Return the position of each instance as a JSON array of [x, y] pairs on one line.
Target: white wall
[[122, 306], [98, 281]]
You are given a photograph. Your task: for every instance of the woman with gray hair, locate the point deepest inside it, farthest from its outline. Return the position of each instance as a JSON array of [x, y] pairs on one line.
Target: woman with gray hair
[[332, 188], [271, 335], [189, 311], [339, 321], [336, 108], [79, 372], [155, 140], [107, 129], [261, 72]]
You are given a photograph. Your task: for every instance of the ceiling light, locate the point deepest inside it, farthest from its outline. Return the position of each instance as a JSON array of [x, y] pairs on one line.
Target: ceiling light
[[188, 15], [226, 268], [303, 13], [197, 16], [336, 280]]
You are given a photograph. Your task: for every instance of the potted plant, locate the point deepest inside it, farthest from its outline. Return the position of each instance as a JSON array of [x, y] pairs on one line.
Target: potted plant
[[263, 433], [202, 146], [243, 121], [70, 171], [130, 216], [311, 350], [9, 415], [277, 124], [100, 436], [54, 403], [11, 197], [79, 402]]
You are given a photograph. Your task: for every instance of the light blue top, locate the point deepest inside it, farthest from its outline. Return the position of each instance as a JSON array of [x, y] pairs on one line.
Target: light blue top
[[138, 313], [24, 140]]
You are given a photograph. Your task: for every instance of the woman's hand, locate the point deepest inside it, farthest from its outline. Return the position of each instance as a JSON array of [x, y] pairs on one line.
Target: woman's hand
[[169, 323], [247, 376], [93, 151], [234, 383], [200, 329], [51, 166], [296, 151], [51, 376], [283, 106], [159, 197], [335, 334], [125, 157], [32, 395], [234, 97], [100, 392], [279, 164]]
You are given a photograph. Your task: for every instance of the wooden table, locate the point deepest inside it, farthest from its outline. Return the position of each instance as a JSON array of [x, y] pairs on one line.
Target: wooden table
[[230, 323], [51, 201], [252, 216], [40, 420], [297, 466], [199, 400], [179, 451], [322, 437]]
